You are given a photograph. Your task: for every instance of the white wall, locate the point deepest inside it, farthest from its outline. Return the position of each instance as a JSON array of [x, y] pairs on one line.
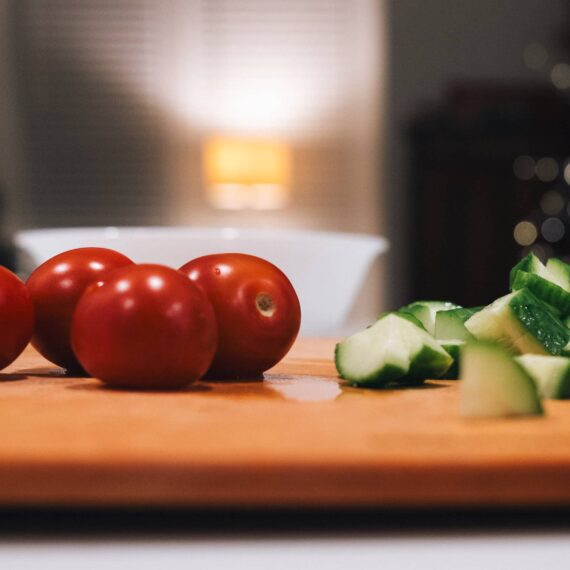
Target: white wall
[[311, 74], [334, 122]]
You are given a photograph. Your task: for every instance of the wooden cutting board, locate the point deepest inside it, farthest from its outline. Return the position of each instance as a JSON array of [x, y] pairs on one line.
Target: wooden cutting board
[[296, 439]]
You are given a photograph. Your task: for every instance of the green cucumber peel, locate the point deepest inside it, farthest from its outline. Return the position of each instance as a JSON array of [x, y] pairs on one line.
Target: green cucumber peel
[[522, 323]]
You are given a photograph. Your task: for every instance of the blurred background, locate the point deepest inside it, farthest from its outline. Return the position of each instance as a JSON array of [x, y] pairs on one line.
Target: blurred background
[[441, 125]]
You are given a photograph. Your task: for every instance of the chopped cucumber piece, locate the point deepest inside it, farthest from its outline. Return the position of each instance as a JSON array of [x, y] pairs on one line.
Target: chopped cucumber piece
[[391, 351], [450, 325], [560, 272], [453, 348], [405, 315], [494, 384], [425, 311], [531, 264], [528, 264], [551, 374], [522, 323], [544, 289]]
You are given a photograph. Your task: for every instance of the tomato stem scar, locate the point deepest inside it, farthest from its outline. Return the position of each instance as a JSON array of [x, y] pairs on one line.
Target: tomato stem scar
[[265, 304]]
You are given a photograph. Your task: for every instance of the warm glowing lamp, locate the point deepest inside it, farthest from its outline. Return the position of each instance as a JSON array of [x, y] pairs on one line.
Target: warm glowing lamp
[[247, 174]]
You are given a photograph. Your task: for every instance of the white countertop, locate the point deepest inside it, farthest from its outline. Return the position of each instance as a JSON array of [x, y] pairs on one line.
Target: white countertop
[[437, 553]]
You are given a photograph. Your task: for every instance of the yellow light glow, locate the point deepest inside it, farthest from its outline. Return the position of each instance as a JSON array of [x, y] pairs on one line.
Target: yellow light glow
[[238, 161], [241, 173]]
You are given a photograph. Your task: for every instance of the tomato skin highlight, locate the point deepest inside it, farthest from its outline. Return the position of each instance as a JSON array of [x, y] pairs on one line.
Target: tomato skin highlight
[[145, 327], [55, 288], [257, 310], [16, 317]]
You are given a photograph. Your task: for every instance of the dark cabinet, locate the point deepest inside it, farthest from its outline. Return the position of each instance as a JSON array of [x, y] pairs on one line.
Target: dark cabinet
[[467, 198]]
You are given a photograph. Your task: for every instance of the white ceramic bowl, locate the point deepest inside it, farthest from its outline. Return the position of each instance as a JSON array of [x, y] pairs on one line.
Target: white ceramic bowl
[[327, 269]]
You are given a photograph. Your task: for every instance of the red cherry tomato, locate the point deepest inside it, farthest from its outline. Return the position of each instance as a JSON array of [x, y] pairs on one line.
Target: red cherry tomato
[[55, 287], [145, 327], [16, 317], [256, 307]]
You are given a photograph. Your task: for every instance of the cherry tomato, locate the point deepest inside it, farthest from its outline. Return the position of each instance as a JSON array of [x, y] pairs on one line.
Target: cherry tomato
[[55, 287], [256, 307], [145, 327], [16, 317]]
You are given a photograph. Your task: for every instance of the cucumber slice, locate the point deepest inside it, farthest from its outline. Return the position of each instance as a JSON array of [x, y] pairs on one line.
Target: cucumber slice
[[450, 325], [551, 374], [544, 289], [528, 264], [522, 323], [432, 361], [391, 351], [425, 311], [560, 271], [494, 385], [453, 348], [531, 264]]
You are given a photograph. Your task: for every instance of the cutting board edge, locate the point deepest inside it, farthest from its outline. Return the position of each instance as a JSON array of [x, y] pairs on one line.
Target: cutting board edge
[[396, 486]]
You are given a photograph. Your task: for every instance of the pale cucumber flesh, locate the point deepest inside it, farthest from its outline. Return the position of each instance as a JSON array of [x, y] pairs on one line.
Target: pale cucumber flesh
[[560, 271], [392, 350], [373, 356], [450, 325], [551, 374], [425, 311], [495, 385]]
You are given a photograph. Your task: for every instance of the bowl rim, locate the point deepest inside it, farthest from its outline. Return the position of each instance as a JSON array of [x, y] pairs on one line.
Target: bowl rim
[[112, 233]]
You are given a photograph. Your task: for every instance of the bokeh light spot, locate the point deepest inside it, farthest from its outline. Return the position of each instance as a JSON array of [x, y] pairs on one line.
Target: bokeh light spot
[[525, 233], [560, 76], [552, 203], [523, 167], [552, 230], [546, 169]]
